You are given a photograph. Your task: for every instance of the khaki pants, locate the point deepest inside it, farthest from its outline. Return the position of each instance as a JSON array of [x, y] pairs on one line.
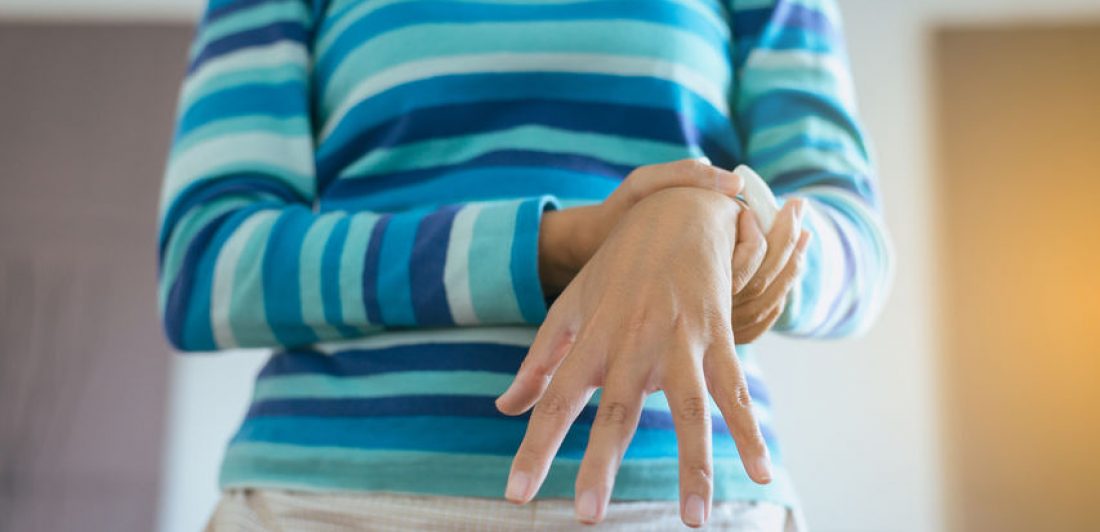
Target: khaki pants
[[278, 510]]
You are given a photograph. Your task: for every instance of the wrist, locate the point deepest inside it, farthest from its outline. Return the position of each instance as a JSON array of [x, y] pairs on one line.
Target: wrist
[[564, 238]]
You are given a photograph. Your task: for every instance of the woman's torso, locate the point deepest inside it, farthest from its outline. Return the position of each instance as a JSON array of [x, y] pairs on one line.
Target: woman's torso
[[422, 103]]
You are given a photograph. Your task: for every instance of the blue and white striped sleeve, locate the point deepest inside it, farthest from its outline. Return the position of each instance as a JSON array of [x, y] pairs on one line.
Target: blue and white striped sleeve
[[246, 261], [795, 107]]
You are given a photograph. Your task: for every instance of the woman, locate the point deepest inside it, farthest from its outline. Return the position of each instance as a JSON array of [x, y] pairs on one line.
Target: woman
[[392, 193]]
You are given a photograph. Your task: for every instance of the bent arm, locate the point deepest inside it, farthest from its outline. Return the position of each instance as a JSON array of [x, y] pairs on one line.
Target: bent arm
[[795, 108], [245, 259]]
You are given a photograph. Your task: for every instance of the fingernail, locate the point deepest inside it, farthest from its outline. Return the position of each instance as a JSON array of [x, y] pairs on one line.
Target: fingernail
[[693, 511], [518, 484], [703, 159], [799, 208], [760, 469], [587, 506]]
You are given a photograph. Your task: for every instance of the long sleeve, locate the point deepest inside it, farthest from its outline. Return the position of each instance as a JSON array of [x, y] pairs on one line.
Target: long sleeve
[[795, 109], [246, 259]]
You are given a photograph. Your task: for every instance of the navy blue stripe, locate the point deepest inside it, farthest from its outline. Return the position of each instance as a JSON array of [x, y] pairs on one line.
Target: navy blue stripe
[[371, 268], [282, 100], [217, 9], [465, 88], [426, 268], [440, 405], [785, 14], [269, 34], [491, 357], [455, 120]]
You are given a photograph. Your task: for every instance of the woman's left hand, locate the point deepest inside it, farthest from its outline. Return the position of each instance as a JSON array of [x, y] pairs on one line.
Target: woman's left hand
[[650, 311], [766, 268]]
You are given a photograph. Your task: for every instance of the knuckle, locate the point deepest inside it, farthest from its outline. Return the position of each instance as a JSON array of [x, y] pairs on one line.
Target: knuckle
[[694, 410], [636, 322], [742, 399], [553, 406], [680, 323], [693, 167], [754, 288], [613, 413], [760, 315], [790, 238]]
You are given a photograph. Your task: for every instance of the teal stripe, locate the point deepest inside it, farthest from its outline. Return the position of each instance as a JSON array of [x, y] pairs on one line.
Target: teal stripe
[[247, 317], [394, 288], [312, 275], [266, 75], [525, 265], [430, 41], [473, 383], [351, 268], [281, 271], [469, 475], [479, 435], [614, 149], [491, 289], [384, 385], [288, 127], [290, 467]]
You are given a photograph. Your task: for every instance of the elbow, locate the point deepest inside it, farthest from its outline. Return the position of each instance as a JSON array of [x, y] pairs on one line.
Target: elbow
[[873, 290]]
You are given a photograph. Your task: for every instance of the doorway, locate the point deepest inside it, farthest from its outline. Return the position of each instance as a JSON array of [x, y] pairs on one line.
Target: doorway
[[1018, 112]]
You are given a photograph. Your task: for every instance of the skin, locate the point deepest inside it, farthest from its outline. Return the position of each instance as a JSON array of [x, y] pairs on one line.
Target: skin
[[765, 267], [651, 310]]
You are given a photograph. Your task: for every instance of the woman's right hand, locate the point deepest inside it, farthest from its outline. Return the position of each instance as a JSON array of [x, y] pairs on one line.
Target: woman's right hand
[[650, 311], [570, 237]]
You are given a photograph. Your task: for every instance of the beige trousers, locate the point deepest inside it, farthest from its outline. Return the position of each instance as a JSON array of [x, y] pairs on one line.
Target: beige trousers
[[278, 510]]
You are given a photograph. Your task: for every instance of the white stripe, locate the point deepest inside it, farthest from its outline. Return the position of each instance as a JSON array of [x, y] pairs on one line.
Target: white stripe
[[225, 273], [517, 336], [527, 62], [767, 59], [252, 150], [456, 271]]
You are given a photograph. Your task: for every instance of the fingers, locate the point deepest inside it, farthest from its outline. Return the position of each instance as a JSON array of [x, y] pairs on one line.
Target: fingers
[[730, 391], [552, 342], [749, 251], [749, 333], [688, 400], [614, 426], [569, 391], [753, 311], [780, 242], [682, 173]]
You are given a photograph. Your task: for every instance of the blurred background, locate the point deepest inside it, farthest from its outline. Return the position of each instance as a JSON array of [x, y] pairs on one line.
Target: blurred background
[[973, 405]]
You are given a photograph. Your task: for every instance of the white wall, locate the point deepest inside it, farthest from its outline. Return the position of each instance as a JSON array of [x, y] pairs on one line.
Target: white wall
[[859, 417]]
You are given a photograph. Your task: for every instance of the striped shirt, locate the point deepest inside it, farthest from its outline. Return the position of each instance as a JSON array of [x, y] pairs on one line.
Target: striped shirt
[[359, 186]]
